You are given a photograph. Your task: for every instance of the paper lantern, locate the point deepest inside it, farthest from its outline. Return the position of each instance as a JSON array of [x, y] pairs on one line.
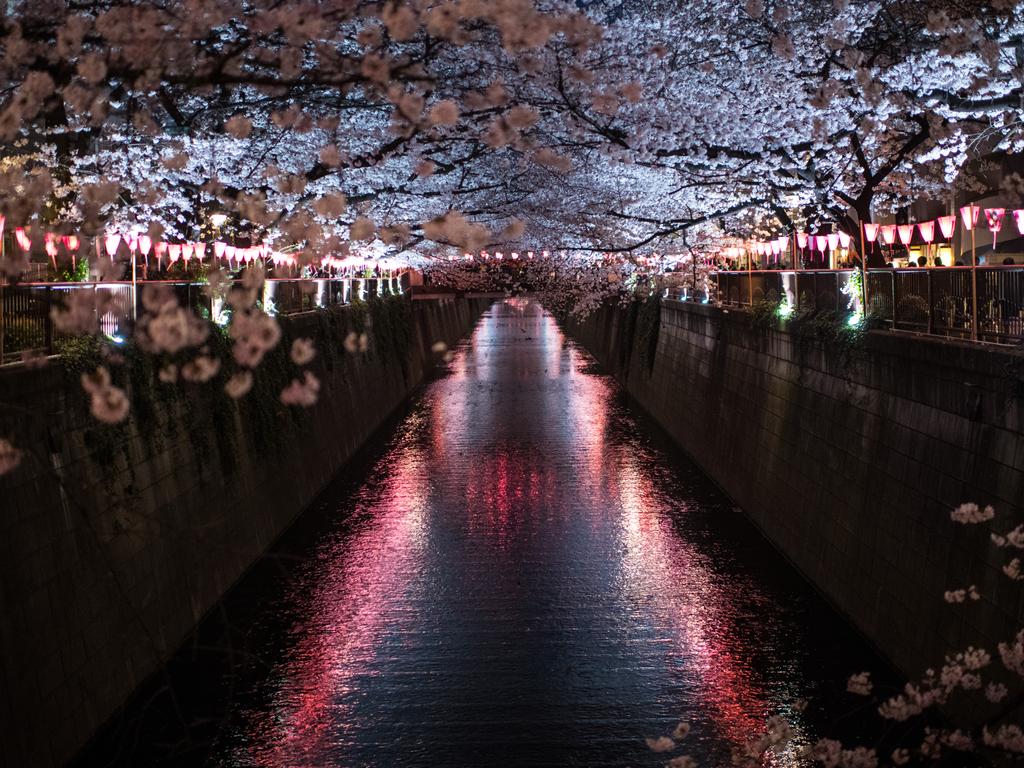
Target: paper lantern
[[995, 218], [1018, 216], [927, 229], [871, 232], [969, 214], [833, 241], [71, 242], [51, 247], [844, 239], [801, 239], [820, 242], [145, 244], [218, 249], [947, 224], [888, 233], [906, 232], [111, 243], [200, 250], [24, 241], [995, 222], [174, 252]]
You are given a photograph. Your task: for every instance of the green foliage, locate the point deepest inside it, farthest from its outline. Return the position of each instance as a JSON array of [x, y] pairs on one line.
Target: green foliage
[[844, 342], [764, 315], [79, 273]]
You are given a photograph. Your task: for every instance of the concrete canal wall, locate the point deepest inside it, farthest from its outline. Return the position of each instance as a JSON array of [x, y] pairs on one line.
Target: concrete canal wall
[[848, 460], [114, 542]]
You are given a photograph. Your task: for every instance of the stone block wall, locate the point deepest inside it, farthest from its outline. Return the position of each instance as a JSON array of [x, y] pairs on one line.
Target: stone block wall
[[849, 465], [112, 548]]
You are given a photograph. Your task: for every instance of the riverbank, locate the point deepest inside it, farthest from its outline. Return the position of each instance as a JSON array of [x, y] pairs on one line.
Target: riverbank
[[115, 542], [847, 455]]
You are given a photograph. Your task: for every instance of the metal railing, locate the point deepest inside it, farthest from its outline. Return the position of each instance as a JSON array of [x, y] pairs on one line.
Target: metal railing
[[925, 300], [26, 324]]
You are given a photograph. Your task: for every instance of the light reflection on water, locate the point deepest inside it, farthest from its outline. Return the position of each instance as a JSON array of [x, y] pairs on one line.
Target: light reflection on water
[[523, 579]]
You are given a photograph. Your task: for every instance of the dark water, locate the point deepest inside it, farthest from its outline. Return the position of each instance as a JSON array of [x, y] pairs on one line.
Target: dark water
[[525, 577]]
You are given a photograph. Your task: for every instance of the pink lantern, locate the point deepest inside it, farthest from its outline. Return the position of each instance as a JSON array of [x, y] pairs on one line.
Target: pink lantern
[[230, 251], [995, 222], [51, 247], [820, 242], [777, 247], [969, 214], [906, 232], [927, 229], [200, 250], [174, 252], [844, 239], [947, 224], [218, 249], [159, 248], [71, 243], [888, 233], [24, 241], [145, 244], [833, 241], [1018, 216], [801, 239], [3, 220], [871, 232], [131, 241], [111, 243]]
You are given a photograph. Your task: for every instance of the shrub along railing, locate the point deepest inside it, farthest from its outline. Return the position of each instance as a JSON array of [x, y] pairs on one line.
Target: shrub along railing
[[926, 300], [26, 325]]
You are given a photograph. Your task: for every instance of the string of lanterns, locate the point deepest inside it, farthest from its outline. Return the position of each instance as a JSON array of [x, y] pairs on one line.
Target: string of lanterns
[[143, 246], [886, 234]]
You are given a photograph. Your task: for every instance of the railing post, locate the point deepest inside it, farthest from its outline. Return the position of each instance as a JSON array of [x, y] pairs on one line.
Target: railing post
[[931, 301], [974, 286], [895, 294], [47, 321]]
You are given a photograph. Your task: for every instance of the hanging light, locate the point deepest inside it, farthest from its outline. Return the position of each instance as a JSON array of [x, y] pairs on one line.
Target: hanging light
[[51, 247], [1018, 216], [906, 232], [820, 242], [174, 252], [801, 239], [888, 233], [969, 214], [111, 243], [21, 235], [844, 239], [71, 243], [833, 241], [200, 250], [927, 229], [145, 244], [947, 224], [218, 249], [995, 222], [871, 231]]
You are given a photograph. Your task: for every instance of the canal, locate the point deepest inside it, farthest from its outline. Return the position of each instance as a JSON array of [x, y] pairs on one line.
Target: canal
[[524, 574]]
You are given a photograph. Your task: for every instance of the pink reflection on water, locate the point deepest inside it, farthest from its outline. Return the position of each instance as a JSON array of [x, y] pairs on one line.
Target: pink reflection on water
[[498, 493]]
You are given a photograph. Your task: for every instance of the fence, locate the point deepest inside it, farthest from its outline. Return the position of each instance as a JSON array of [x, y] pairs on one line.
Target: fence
[[26, 324], [937, 301]]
